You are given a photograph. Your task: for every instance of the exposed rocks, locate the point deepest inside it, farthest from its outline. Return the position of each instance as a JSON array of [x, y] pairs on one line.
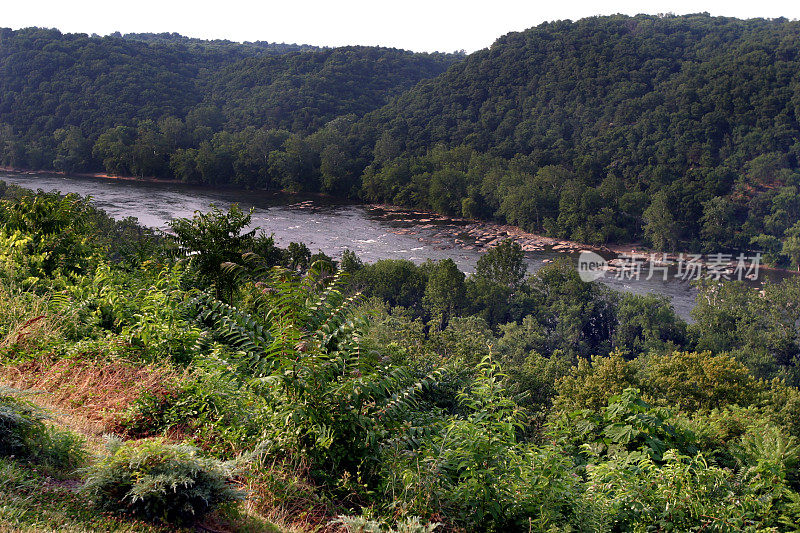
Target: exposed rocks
[[468, 234]]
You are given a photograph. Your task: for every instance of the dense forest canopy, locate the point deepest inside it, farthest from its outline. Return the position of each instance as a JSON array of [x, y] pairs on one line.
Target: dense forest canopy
[[73, 85], [277, 48], [52, 80], [301, 92], [680, 131]]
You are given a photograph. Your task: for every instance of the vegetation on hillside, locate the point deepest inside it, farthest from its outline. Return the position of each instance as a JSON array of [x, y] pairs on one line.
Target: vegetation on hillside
[[681, 131], [385, 396], [132, 104]]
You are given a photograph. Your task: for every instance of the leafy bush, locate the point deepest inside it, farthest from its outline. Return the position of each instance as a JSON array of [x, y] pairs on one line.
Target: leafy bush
[[592, 382], [24, 435], [300, 349], [477, 452], [719, 430], [783, 405], [684, 494], [475, 471], [626, 424], [146, 310], [20, 425], [688, 381], [693, 381], [51, 234], [157, 481], [768, 454], [221, 417]]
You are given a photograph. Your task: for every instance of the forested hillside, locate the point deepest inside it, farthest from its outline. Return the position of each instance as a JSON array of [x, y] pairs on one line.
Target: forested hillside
[[52, 80], [276, 48], [302, 92], [250, 387], [679, 131], [126, 104], [683, 130]]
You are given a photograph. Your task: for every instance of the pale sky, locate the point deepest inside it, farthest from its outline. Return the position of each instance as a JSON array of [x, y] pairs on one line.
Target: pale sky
[[420, 25]]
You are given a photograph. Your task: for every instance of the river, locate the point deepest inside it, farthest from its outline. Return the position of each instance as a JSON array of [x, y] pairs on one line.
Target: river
[[321, 223]]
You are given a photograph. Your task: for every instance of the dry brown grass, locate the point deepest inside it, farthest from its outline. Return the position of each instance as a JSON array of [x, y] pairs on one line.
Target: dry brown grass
[[92, 394], [281, 493], [87, 396], [26, 319]]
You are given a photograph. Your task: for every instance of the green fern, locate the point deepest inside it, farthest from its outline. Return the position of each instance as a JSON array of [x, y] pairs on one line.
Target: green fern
[[300, 345]]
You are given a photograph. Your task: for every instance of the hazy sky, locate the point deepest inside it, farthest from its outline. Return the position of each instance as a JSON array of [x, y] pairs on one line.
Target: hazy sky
[[422, 25]]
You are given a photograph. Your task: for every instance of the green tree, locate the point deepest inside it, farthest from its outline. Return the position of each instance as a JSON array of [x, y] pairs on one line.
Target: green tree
[[720, 225], [298, 256], [114, 148], [183, 163], [73, 151], [660, 226], [447, 188], [396, 281], [503, 265], [350, 262], [445, 291], [211, 239], [647, 323], [791, 245]]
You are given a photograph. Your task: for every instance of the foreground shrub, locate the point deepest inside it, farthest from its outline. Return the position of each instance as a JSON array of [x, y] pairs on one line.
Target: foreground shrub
[[209, 408], [627, 424], [24, 435], [475, 471], [20, 423], [688, 494], [325, 397], [157, 481]]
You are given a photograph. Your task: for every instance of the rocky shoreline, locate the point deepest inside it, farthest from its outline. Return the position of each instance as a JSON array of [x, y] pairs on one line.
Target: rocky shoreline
[[479, 235], [467, 234]]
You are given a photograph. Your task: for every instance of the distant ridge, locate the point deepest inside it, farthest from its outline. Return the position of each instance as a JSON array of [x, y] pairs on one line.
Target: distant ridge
[[271, 47]]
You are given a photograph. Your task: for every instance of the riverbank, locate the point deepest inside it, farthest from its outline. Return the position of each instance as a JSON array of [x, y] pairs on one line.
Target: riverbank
[[485, 233], [98, 175], [465, 234], [470, 234], [332, 226]]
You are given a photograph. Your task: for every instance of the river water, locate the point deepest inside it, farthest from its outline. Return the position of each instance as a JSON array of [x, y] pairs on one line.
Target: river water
[[321, 223]]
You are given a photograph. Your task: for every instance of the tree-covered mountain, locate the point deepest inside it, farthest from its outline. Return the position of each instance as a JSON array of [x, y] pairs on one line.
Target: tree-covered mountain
[[684, 130], [681, 131], [59, 92], [301, 92], [266, 46]]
